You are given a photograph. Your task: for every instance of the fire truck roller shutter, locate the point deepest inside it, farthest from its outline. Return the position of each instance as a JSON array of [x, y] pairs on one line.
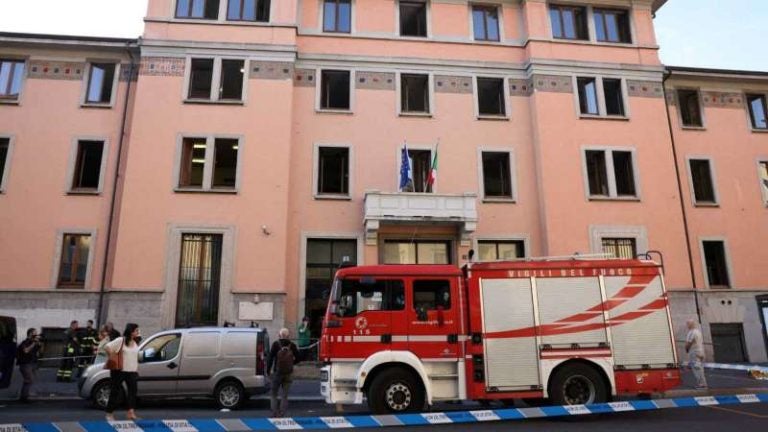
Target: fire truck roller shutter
[[640, 330], [567, 302], [510, 362]]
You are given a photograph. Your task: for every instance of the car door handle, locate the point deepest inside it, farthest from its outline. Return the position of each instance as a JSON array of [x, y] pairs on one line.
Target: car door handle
[[172, 365]]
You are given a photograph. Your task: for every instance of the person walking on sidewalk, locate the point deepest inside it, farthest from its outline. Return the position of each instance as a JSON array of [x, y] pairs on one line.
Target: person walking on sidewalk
[[283, 355], [27, 355], [127, 347], [694, 346], [71, 351]]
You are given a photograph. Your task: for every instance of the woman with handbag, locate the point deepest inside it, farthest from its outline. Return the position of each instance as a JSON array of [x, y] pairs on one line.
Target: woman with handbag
[[123, 364]]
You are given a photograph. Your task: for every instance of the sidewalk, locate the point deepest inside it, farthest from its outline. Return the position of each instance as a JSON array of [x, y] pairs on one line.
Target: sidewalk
[[307, 387]]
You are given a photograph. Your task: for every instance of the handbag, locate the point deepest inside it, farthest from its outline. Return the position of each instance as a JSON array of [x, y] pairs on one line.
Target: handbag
[[115, 360]]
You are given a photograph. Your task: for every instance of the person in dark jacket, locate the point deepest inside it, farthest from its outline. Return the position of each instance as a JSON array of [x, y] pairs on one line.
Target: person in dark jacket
[[28, 353], [113, 334], [282, 356], [71, 351]]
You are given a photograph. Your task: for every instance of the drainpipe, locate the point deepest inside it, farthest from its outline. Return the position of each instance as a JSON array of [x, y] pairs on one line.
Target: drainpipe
[[110, 220], [667, 74]]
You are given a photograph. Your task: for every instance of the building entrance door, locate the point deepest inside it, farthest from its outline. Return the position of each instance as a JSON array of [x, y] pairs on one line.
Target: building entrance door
[[324, 256], [199, 279], [728, 340]]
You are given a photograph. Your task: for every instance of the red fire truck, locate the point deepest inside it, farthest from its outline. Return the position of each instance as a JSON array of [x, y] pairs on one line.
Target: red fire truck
[[564, 331]]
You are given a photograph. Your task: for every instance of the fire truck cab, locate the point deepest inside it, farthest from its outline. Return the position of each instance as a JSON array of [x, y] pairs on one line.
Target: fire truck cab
[[571, 331]]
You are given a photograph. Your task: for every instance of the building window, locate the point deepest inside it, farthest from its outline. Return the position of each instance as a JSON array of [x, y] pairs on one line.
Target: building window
[[248, 10], [88, 163], [209, 163], [490, 97], [5, 145], [231, 79], [497, 176], [417, 252], [611, 174], [414, 93], [335, 90], [199, 279], [73, 268], [333, 171], [569, 22], [337, 16], [763, 177], [612, 26], [716, 264], [324, 257], [590, 103], [500, 250], [420, 161], [758, 112], [624, 248], [197, 9], [413, 18], [703, 184], [101, 80], [690, 110], [11, 74], [485, 22]]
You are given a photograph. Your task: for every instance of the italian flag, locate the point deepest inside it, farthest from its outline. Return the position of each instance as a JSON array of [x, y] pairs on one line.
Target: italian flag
[[433, 172]]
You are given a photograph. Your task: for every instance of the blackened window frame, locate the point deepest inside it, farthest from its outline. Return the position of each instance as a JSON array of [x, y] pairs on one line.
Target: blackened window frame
[[718, 274], [703, 188], [110, 84], [405, 88], [505, 178], [606, 179], [6, 144], [420, 33], [86, 149], [344, 174], [580, 22], [324, 91], [216, 84], [690, 120], [483, 89]]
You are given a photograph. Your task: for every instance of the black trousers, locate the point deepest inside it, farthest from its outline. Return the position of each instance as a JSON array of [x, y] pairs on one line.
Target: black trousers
[[117, 378]]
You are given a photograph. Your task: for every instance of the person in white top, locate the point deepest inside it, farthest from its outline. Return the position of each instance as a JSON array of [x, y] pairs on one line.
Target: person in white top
[[128, 347], [694, 346]]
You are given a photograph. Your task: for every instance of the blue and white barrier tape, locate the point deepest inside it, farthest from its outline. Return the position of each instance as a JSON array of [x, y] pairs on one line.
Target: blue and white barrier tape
[[368, 421], [747, 368]]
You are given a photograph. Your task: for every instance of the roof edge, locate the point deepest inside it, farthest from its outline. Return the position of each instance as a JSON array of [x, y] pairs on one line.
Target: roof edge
[[717, 73], [71, 39], [657, 4]]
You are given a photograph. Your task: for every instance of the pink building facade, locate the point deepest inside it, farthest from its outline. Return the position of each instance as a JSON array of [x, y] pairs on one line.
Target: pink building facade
[[262, 144]]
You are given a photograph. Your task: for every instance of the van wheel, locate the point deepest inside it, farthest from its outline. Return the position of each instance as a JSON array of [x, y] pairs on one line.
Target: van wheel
[[100, 395], [395, 391], [578, 384], [229, 394]]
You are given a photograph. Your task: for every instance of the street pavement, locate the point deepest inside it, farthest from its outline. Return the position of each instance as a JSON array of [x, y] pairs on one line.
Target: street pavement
[[65, 406]]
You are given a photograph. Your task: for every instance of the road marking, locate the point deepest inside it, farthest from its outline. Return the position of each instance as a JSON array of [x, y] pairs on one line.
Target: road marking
[[738, 412]]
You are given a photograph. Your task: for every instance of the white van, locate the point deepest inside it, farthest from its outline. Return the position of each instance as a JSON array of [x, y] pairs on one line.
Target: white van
[[228, 364]]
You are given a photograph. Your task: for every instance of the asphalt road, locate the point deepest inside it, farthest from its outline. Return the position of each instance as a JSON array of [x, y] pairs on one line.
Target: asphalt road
[[742, 418]]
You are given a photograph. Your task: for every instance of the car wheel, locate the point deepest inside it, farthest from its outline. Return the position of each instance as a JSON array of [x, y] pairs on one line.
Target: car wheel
[[578, 384], [395, 391], [100, 394], [230, 394]]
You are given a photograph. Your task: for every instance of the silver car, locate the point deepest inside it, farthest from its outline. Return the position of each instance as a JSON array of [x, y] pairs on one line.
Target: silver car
[[228, 364]]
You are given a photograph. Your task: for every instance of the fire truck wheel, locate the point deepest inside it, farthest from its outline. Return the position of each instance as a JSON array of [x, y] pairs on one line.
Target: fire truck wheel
[[577, 384], [395, 391]]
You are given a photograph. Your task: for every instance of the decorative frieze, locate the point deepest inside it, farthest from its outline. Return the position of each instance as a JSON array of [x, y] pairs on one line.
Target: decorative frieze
[[453, 84], [648, 89], [271, 70], [553, 83], [162, 66], [304, 78], [520, 87], [125, 71], [722, 99], [375, 80], [56, 70]]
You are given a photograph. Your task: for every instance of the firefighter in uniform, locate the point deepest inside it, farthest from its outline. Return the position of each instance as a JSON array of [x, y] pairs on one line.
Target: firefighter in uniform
[[71, 351], [88, 343]]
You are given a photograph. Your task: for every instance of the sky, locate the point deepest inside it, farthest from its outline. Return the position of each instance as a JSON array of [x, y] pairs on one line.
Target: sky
[[696, 33]]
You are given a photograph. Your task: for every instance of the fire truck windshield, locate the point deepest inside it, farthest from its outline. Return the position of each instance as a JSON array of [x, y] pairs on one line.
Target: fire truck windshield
[[351, 297]]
